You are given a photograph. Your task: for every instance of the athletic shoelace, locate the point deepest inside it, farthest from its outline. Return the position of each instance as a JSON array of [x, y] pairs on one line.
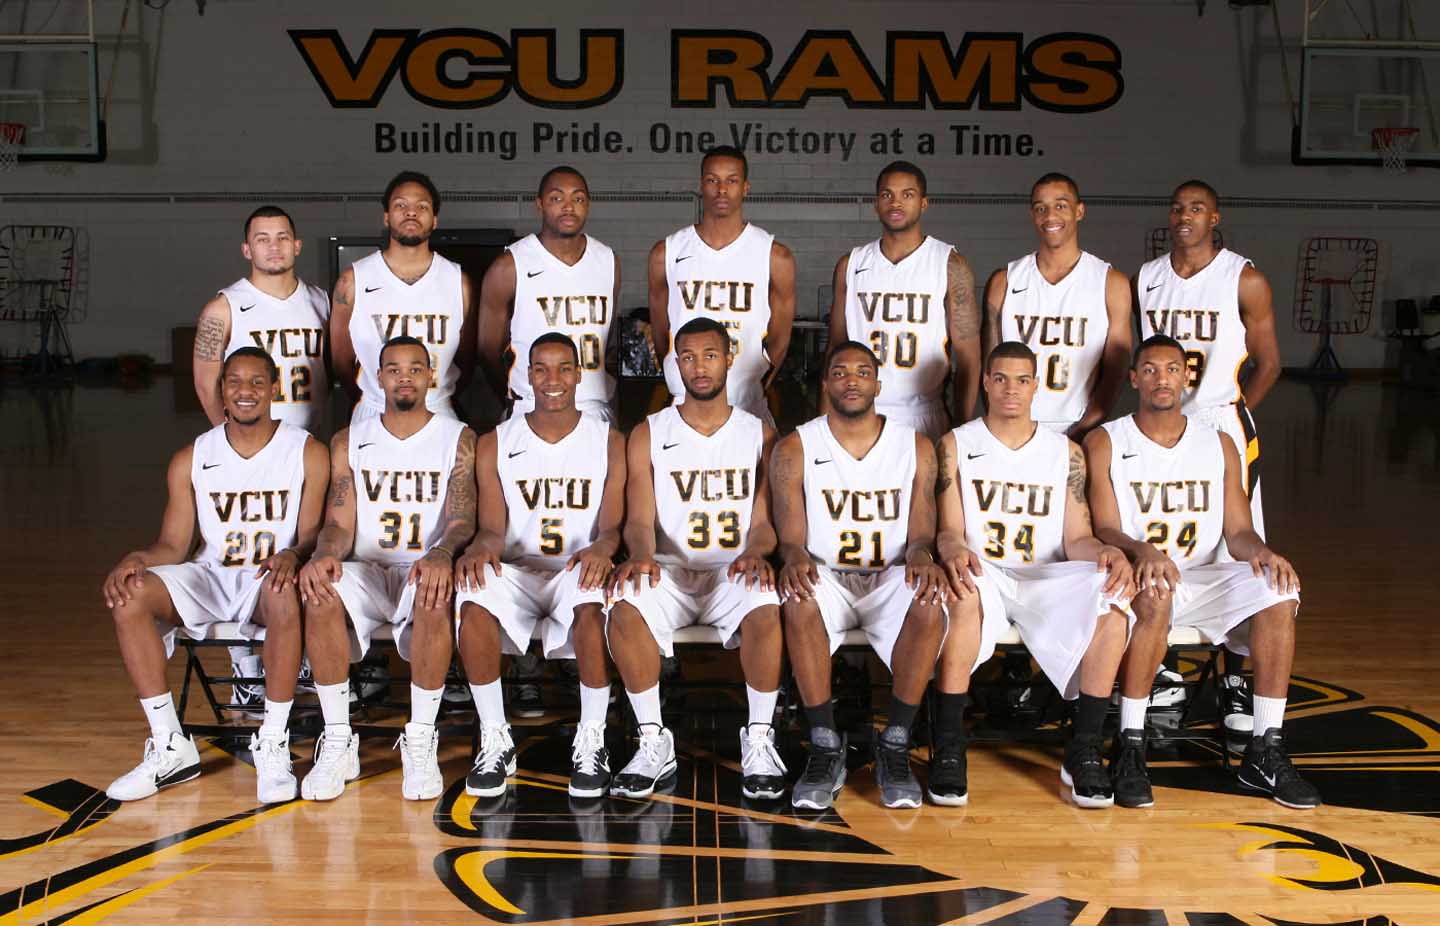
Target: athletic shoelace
[[270, 755], [761, 752], [492, 750], [896, 761], [652, 747], [585, 753], [330, 749]]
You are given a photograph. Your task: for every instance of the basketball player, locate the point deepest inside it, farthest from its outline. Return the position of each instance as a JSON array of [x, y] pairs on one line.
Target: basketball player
[[1069, 307], [274, 310], [404, 290], [854, 500], [1016, 543], [559, 279], [402, 503], [698, 531], [551, 489], [1168, 490], [256, 487], [1219, 307], [911, 297], [729, 270]]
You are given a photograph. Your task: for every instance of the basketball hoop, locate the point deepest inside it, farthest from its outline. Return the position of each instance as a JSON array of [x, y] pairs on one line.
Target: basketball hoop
[[1393, 144], [12, 136]]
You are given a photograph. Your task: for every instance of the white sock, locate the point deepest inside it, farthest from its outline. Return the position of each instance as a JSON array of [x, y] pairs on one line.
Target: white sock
[[762, 705], [160, 711], [1269, 714], [646, 705], [335, 706], [277, 719], [1132, 712], [489, 703], [594, 705], [425, 704]]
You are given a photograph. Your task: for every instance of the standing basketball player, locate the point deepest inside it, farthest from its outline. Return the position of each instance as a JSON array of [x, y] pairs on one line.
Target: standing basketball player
[[559, 279], [551, 489], [1219, 307], [256, 486], [1168, 490], [855, 505], [1016, 543], [733, 272], [912, 299], [1069, 307], [402, 503], [698, 531], [404, 290]]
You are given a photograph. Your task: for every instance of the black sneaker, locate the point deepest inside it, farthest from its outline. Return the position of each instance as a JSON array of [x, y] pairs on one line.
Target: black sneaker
[[824, 772], [1128, 774], [1267, 769], [1237, 705], [526, 701], [493, 764], [893, 775], [589, 763], [1083, 774], [948, 786]]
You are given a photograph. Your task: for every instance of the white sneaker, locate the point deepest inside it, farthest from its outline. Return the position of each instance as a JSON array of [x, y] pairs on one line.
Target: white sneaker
[[164, 764], [419, 749], [1169, 689], [654, 761], [762, 770], [337, 760], [274, 781], [494, 765]]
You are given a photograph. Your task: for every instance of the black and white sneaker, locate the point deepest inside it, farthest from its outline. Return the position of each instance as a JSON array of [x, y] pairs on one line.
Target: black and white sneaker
[[249, 697], [166, 762], [1083, 774], [1168, 689], [762, 771], [589, 763], [1237, 704], [948, 785], [824, 772], [1267, 769], [305, 680], [1129, 776], [494, 764], [652, 764]]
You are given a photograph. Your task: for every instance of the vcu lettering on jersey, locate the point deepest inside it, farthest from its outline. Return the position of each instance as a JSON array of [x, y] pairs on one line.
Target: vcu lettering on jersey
[[420, 487], [253, 505], [1051, 330], [1185, 324], [554, 492], [1013, 497], [714, 485], [916, 306], [863, 505], [1172, 497], [290, 343], [717, 295], [574, 310]]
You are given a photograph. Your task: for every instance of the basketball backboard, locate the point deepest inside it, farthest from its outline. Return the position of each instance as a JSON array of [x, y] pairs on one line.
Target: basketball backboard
[[51, 89], [1346, 92]]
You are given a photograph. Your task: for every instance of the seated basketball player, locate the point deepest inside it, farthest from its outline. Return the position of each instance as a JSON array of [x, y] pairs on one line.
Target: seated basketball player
[[1016, 542], [551, 488], [256, 486], [1167, 490], [402, 503], [854, 497], [698, 531]]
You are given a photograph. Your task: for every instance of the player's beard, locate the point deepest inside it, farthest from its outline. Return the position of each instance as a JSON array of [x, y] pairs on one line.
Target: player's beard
[[902, 227], [277, 271], [409, 241], [246, 422], [860, 412], [405, 405], [705, 396]]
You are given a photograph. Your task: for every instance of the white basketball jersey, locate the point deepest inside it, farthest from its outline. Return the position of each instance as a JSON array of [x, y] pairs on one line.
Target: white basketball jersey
[[899, 310], [400, 487], [731, 286], [704, 487], [551, 295], [552, 491], [292, 331], [432, 309], [1065, 324], [1172, 497], [857, 512], [1014, 499], [1203, 314], [248, 509]]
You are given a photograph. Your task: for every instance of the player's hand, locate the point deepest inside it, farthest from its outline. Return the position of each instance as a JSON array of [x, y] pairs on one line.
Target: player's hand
[[754, 569], [124, 581], [318, 578], [284, 569], [1276, 570], [434, 578], [928, 579], [1154, 571], [960, 571], [797, 580], [1121, 583], [594, 568], [470, 568], [634, 571]]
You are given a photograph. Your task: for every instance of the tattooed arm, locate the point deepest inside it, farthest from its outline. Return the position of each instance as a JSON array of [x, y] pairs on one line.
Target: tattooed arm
[[434, 573], [962, 315], [1080, 540], [317, 577], [212, 333]]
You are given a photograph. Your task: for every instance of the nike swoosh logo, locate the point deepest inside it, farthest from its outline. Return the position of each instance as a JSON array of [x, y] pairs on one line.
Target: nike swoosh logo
[[533, 273], [180, 774], [1155, 286], [1126, 456], [860, 270], [971, 456], [818, 462], [246, 308], [512, 456], [371, 289], [368, 443], [1020, 290], [208, 465], [686, 257], [668, 446]]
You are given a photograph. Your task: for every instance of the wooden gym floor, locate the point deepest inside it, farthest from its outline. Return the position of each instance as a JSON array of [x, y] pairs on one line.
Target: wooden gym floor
[[1352, 491]]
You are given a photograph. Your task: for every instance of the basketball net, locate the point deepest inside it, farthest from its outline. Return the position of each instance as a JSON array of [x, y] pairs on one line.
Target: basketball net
[[12, 136], [1393, 144]]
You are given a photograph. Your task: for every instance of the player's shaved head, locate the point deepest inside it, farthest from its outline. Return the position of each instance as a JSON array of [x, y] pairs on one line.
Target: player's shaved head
[[252, 353]]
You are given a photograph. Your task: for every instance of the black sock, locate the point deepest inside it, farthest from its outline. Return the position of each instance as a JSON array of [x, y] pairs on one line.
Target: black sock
[[950, 717], [901, 714], [1090, 716], [821, 715]]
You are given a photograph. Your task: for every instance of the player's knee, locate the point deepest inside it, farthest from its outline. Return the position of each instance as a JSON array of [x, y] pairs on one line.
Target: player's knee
[[625, 621], [926, 618], [431, 620], [1278, 614], [320, 613], [590, 618], [799, 612], [279, 607], [1150, 608], [473, 617], [764, 620]]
